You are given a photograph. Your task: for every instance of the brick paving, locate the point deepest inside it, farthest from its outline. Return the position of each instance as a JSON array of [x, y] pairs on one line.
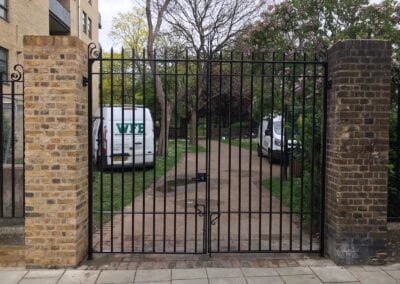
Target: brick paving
[[303, 270]]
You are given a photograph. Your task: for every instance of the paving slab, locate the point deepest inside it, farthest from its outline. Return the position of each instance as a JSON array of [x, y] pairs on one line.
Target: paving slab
[[79, 277], [224, 273], [199, 273], [11, 277], [395, 266], [190, 281], [154, 282], [264, 280], [394, 274], [153, 275], [39, 281], [333, 274], [116, 276], [301, 279], [45, 273], [294, 270], [236, 280], [373, 277], [253, 272]]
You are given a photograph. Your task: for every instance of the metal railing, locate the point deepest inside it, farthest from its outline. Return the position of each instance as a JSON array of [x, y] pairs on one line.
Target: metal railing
[[12, 145], [260, 190]]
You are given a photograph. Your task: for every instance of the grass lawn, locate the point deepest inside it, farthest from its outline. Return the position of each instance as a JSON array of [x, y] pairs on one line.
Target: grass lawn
[[245, 143], [294, 195], [123, 189]]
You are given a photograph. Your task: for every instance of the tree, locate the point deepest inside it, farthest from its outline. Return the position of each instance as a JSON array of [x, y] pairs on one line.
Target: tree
[[130, 29], [207, 26]]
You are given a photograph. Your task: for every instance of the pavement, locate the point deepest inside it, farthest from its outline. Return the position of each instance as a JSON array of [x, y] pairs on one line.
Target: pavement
[[309, 274]]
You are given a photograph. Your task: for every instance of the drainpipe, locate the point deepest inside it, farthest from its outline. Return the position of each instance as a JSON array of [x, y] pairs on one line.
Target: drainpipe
[[79, 18]]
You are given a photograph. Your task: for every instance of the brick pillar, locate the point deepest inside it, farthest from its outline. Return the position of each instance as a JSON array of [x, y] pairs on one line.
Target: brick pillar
[[357, 150], [56, 188]]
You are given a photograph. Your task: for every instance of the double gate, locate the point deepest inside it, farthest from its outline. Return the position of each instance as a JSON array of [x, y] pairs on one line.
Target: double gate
[[201, 153]]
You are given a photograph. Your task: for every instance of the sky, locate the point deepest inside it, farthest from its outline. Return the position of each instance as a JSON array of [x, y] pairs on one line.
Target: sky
[[109, 8]]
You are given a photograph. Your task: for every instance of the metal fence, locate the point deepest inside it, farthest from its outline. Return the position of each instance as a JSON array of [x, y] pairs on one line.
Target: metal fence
[[12, 144], [394, 152], [260, 189]]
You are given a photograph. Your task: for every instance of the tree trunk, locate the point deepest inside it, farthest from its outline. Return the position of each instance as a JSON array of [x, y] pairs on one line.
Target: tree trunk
[[162, 149], [193, 126]]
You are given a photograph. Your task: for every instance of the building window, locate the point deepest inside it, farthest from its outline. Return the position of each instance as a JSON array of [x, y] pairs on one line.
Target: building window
[[89, 27], [4, 9], [3, 63], [84, 22]]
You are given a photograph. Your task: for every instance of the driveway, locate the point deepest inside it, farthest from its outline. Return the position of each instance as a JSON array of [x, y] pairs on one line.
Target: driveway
[[165, 219]]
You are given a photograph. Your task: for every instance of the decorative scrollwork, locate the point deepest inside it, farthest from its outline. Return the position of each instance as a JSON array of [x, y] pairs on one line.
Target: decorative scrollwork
[[213, 220], [322, 55], [93, 52], [18, 74], [200, 208]]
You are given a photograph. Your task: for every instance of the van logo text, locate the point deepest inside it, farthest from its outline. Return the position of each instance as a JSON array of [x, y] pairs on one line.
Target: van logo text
[[130, 128]]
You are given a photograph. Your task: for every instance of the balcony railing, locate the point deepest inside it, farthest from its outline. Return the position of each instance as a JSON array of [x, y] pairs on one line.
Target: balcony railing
[[60, 14]]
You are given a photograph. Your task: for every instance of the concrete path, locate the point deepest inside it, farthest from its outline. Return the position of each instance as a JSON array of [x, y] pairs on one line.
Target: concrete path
[[167, 221], [301, 274]]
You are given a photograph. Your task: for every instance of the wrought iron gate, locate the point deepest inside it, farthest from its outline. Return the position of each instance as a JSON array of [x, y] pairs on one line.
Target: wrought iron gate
[[12, 143], [206, 153]]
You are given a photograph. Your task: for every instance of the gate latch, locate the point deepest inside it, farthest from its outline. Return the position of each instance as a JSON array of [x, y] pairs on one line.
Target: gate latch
[[200, 177]]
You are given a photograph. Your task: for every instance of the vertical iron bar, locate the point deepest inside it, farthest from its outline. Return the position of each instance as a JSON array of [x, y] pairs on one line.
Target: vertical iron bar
[[260, 140], [283, 153], [176, 143], [112, 149], [90, 160], [144, 149], [23, 137], [101, 136], [186, 142], [302, 149], [219, 150], [230, 149], [270, 150], [292, 150], [123, 147], [209, 137], [165, 149], [323, 162], [251, 142], [154, 149], [240, 153], [13, 148], [197, 146], [133, 146], [312, 151]]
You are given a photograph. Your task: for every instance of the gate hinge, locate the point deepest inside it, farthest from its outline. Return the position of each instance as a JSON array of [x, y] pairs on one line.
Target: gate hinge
[[329, 84], [200, 177], [85, 81]]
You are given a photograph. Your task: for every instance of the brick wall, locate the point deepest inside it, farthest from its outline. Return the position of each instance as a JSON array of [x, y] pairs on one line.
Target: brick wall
[[357, 150], [55, 151]]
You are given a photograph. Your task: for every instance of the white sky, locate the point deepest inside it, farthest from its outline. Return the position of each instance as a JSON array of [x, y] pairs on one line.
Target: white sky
[[109, 8]]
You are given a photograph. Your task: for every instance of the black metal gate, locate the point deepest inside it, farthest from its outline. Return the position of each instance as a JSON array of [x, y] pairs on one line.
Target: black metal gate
[[12, 144], [201, 153]]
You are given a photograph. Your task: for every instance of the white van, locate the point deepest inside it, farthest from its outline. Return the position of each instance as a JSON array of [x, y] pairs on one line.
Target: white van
[[133, 138], [275, 148]]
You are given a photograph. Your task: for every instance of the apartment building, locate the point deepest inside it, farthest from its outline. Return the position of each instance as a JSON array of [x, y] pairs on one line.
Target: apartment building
[[44, 17]]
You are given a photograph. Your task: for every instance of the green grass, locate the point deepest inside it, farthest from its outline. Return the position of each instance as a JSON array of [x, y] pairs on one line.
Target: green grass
[[142, 180], [245, 143], [293, 197]]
